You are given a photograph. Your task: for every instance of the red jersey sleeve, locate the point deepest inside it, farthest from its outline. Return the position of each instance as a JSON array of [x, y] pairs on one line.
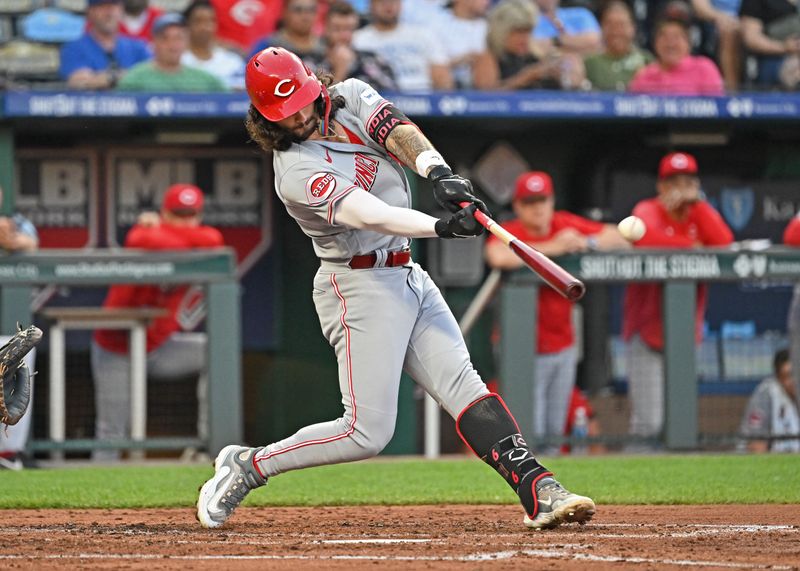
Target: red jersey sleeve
[[583, 225], [712, 229], [206, 237], [791, 236], [141, 236], [654, 217]]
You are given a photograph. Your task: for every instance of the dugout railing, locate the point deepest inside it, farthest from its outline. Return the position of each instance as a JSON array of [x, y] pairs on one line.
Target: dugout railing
[[679, 271], [214, 270]]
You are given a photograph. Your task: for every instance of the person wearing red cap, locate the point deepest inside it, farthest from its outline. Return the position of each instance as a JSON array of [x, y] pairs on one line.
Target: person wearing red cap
[[678, 217], [554, 233], [171, 353]]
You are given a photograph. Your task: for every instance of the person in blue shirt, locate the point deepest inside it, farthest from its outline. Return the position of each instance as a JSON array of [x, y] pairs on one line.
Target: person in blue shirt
[[567, 30], [98, 59]]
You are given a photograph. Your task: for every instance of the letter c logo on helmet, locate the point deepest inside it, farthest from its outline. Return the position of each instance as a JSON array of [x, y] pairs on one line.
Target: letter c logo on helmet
[[286, 93], [280, 84]]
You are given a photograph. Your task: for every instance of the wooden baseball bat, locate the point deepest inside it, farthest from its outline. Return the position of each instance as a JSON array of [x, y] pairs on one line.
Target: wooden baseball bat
[[554, 275]]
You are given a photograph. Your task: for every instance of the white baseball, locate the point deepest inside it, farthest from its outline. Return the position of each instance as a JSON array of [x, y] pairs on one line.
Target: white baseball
[[632, 228]]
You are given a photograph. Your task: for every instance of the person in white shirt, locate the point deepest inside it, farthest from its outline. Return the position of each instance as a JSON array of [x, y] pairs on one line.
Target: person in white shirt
[[772, 412], [466, 26], [204, 53], [415, 54]]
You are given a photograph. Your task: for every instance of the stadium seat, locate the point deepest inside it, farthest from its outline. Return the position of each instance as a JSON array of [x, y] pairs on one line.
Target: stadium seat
[[20, 6], [51, 25], [6, 29], [27, 60], [170, 5], [70, 5]]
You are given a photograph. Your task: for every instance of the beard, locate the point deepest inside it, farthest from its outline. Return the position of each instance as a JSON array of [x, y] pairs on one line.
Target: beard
[[300, 134]]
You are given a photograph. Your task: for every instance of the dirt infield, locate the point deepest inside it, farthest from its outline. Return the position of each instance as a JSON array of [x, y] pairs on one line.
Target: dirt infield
[[418, 537]]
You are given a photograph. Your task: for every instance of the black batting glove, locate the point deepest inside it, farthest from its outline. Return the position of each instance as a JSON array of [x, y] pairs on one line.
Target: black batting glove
[[462, 224], [450, 190]]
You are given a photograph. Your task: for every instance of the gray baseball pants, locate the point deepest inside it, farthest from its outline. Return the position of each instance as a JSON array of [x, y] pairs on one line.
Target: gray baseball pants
[[553, 382], [380, 322], [181, 355], [645, 388]]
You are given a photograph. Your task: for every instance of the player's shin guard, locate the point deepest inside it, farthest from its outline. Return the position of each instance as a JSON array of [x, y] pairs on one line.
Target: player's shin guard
[[489, 429]]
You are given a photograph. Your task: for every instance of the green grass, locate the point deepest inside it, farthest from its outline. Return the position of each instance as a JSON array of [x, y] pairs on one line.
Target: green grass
[[685, 479]]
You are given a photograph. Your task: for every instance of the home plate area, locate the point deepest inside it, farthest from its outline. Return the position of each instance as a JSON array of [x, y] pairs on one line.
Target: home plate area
[[411, 537]]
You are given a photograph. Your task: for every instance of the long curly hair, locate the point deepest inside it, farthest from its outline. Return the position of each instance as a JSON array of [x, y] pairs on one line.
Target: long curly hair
[[271, 137]]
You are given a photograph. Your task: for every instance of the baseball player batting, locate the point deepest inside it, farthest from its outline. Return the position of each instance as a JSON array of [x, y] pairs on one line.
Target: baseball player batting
[[338, 152]]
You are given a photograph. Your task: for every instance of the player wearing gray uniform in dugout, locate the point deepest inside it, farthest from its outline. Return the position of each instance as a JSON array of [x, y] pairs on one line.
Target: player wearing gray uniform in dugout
[[337, 158]]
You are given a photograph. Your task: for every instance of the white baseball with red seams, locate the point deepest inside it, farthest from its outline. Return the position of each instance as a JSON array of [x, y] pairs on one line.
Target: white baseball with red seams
[[632, 228], [380, 321]]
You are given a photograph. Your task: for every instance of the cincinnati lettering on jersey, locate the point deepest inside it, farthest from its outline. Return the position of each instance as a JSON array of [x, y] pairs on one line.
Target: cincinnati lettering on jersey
[[366, 171], [319, 186], [383, 122]]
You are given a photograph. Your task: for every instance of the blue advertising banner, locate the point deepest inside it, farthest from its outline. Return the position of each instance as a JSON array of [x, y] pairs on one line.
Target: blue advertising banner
[[540, 104]]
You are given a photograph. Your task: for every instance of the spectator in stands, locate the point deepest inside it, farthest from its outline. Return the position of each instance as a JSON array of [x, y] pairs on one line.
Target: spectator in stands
[[771, 30], [566, 30], [17, 234], [422, 12], [204, 53], [137, 19], [554, 233], [465, 22], [613, 69], [509, 61], [296, 33], [101, 56], [166, 73], [171, 352], [342, 60], [722, 20], [772, 411], [791, 237], [678, 217], [415, 54], [676, 71], [242, 23]]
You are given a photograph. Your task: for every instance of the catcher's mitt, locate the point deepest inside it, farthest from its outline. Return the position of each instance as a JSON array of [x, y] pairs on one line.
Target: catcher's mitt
[[15, 389]]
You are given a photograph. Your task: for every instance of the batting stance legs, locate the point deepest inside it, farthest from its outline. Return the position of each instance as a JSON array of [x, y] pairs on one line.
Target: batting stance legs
[[379, 322]]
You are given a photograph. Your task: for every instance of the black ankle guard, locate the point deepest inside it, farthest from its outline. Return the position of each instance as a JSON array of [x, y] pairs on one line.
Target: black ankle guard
[[489, 429], [514, 460]]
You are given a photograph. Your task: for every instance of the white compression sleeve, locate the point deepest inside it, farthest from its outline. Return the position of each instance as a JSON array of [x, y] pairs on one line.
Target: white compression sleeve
[[361, 210]]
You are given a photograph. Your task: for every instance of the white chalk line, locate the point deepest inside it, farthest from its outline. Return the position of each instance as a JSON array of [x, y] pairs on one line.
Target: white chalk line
[[379, 541], [493, 556], [591, 530]]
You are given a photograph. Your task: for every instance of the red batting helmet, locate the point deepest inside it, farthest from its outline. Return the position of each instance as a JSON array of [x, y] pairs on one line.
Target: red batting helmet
[[280, 84]]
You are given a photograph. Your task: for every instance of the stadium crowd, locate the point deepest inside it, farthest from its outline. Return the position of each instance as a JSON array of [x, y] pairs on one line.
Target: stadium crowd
[[691, 47]]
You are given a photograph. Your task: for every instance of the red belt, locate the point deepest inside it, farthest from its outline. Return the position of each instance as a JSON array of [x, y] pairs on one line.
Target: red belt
[[399, 258]]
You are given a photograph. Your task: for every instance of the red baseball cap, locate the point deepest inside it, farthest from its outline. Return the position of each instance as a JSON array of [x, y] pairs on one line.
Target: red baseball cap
[[183, 199], [533, 184], [677, 163]]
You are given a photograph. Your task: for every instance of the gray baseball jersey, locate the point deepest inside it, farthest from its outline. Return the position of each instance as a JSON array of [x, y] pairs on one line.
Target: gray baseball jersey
[[311, 178], [380, 321]]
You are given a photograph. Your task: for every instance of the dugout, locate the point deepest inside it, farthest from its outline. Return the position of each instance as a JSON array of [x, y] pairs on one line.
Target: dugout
[[82, 164]]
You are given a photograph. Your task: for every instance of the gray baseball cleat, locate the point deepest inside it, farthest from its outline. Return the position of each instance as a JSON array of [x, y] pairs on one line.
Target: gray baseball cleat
[[235, 476], [557, 506]]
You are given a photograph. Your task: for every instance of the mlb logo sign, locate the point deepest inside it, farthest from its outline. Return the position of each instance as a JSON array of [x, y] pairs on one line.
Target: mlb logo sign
[[57, 192], [234, 184]]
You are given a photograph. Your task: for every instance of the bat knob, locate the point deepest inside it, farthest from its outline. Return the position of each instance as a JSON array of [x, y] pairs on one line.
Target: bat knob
[[575, 290]]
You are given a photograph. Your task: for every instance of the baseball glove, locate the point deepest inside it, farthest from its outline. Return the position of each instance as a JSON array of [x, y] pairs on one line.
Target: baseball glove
[[15, 389]]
